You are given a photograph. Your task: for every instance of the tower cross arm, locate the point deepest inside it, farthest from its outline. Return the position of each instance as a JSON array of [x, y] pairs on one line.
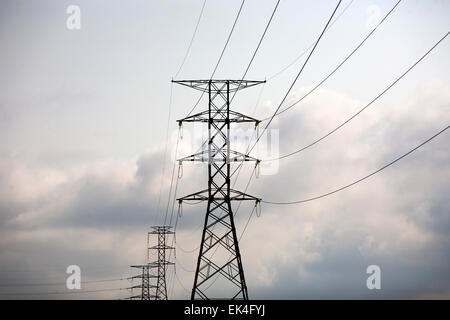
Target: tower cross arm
[[202, 156], [219, 115], [235, 195], [197, 196], [240, 196], [215, 84]]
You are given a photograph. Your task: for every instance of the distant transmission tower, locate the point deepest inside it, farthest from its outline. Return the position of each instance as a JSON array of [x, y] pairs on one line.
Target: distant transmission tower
[[146, 287], [153, 274], [162, 233], [219, 261]]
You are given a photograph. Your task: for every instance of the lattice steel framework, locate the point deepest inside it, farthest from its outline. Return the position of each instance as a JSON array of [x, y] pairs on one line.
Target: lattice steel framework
[[147, 289], [219, 255], [162, 233], [153, 274]]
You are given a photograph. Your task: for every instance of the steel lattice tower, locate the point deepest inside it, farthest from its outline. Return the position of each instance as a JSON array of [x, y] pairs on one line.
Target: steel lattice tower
[[162, 233], [153, 274], [219, 255], [147, 289]]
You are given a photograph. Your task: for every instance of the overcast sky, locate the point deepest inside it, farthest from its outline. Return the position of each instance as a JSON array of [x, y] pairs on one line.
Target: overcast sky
[[83, 120]]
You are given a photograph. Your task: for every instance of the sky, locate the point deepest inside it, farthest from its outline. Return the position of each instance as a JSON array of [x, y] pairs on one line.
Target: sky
[[85, 115]]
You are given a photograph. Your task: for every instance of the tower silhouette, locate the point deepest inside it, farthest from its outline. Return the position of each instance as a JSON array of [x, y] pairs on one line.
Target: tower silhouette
[[219, 260]]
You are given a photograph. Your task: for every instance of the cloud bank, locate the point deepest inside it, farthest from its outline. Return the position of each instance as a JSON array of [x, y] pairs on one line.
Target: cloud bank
[[96, 214]]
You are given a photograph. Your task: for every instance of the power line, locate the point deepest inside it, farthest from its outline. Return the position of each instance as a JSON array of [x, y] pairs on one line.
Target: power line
[[331, 73], [321, 196], [293, 62], [59, 292], [258, 99], [176, 222], [326, 78], [192, 39], [221, 55], [363, 178], [290, 88], [179, 69], [165, 153], [175, 227], [57, 283], [249, 64], [183, 267], [181, 284], [257, 47], [248, 220], [364, 108], [175, 192], [228, 39], [373, 173], [217, 64], [43, 270], [188, 251], [298, 75], [259, 43], [310, 46], [173, 174], [340, 64], [170, 101]]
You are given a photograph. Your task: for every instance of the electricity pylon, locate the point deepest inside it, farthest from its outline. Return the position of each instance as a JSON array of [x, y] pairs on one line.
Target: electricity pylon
[[162, 232], [151, 289], [219, 256], [146, 287]]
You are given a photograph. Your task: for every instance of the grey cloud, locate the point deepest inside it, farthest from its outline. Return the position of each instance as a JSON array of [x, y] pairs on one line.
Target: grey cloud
[[397, 219]]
